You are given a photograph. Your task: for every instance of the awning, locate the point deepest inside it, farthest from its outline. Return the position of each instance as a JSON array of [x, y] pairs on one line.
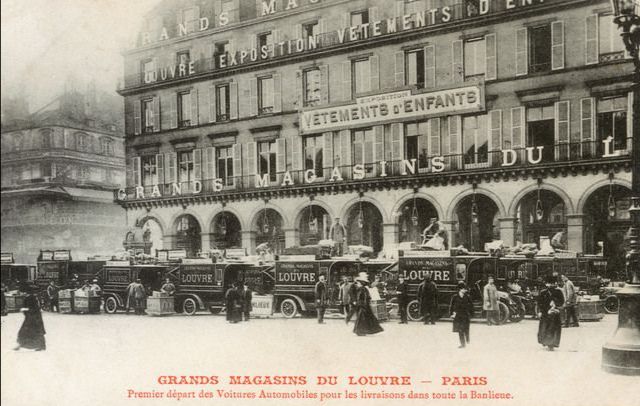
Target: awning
[[35, 190], [90, 194]]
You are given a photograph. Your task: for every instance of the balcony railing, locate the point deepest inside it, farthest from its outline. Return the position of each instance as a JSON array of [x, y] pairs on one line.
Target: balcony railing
[[492, 161]]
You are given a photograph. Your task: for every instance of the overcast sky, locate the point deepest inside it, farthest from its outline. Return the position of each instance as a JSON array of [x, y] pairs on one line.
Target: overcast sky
[[45, 42]]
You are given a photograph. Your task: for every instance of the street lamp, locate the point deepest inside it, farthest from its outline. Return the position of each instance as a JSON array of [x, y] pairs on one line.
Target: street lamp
[[621, 353]]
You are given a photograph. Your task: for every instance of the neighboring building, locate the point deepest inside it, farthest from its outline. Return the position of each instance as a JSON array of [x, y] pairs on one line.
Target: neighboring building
[[59, 169], [255, 121]]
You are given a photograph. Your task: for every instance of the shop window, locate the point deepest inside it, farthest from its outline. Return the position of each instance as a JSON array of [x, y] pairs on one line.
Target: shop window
[[222, 102], [310, 30], [361, 76], [475, 140], [148, 119], [541, 130], [267, 159], [224, 158], [359, 17], [540, 49], [265, 39], [417, 143], [185, 166], [313, 154], [612, 122], [414, 71], [149, 170], [265, 95], [474, 57], [184, 109], [312, 87], [183, 58]]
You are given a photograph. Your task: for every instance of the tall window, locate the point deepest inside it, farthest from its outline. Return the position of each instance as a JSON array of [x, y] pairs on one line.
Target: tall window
[[222, 102], [83, 142], [475, 57], [189, 19], [229, 7], [609, 41], [148, 70], [265, 95], [475, 142], [310, 29], [311, 87], [417, 143], [220, 48], [359, 17], [149, 170], [541, 131], [313, 154], [361, 76], [185, 166], [45, 138], [540, 48], [265, 39], [267, 159], [362, 144], [612, 121], [148, 120], [224, 159], [184, 109], [106, 145], [415, 68], [183, 58]]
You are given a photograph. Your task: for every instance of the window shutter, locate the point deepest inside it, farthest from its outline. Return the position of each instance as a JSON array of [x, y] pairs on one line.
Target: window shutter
[[173, 111], [281, 155], [429, 66], [399, 73], [156, 114], [324, 84], [327, 153], [212, 104], [444, 136], [209, 163], [454, 135], [491, 71], [160, 168], [194, 106], [236, 152], [252, 159], [631, 115], [253, 96], [378, 144], [522, 58], [346, 80], [129, 172], [345, 148], [165, 107], [562, 129], [137, 173], [277, 93], [173, 166], [197, 164], [495, 130], [374, 70], [592, 53], [587, 125], [397, 141], [137, 119], [233, 100], [399, 8], [296, 152], [458, 61], [299, 91], [517, 127], [434, 137], [557, 45]]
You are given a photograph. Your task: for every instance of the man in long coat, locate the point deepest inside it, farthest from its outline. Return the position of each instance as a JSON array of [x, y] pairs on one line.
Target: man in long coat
[[461, 310], [428, 300], [320, 293], [345, 294], [338, 234], [490, 302], [570, 302], [233, 303], [550, 300], [246, 297], [402, 296], [52, 294]]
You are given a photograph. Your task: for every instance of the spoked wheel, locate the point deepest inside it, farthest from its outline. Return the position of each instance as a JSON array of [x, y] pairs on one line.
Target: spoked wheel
[[518, 315], [505, 314], [289, 308], [413, 311], [189, 307], [110, 305], [611, 304]]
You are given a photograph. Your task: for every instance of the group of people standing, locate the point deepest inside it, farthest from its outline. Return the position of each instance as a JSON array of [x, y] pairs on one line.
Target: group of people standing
[[238, 302]]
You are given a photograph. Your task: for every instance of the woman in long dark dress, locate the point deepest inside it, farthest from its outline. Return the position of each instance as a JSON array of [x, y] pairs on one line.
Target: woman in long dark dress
[[366, 321], [31, 334], [461, 310], [233, 304], [550, 301]]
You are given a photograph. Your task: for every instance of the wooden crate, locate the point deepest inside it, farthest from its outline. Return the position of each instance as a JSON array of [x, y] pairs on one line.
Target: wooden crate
[[14, 303], [590, 310], [160, 306], [65, 304], [86, 304], [379, 308]]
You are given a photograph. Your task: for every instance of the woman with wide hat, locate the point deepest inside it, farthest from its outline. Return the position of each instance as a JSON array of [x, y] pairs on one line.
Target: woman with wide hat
[[550, 301], [461, 310], [31, 334], [366, 322]]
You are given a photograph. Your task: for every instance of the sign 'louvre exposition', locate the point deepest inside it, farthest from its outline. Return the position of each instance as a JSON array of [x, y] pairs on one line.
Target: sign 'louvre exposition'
[[398, 106]]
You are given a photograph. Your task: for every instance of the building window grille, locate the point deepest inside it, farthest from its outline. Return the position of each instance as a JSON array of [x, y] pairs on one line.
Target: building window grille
[[475, 140], [612, 122], [609, 43], [417, 143], [362, 143]]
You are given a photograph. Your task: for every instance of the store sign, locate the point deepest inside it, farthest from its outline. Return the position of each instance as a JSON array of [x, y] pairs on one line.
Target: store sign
[[170, 72], [6, 258], [296, 273], [262, 305], [415, 269], [395, 107]]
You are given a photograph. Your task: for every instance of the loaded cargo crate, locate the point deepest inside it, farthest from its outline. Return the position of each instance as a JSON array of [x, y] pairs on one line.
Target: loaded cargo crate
[[86, 302], [65, 301], [160, 304], [590, 308], [14, 302], [379, 309]]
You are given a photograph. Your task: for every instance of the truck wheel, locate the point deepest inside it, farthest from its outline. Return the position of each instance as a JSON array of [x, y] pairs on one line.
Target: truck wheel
[[611, 304], [289, 308], [413, 311], [189, 307], [518, 314], [110, 305], [504, 312]]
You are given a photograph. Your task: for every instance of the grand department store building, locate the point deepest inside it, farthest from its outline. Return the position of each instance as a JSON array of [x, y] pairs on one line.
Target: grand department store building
[[263, 121]]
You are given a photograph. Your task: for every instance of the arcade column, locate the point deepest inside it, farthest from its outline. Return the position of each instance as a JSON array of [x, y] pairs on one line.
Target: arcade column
[[449, 227], [205, 238], [390, 234], [249, 241], [291, 237], [168, 241], [575, 232], [508, 231]]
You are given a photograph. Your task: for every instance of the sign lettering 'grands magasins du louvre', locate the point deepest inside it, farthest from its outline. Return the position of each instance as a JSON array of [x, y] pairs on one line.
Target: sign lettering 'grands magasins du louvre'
[[398, 106]]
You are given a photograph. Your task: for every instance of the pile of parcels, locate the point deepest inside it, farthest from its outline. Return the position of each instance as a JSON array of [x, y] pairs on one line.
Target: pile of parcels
[[497, 248]]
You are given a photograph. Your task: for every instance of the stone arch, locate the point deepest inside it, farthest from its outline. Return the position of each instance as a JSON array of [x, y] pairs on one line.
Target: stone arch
[[302, 208], [395, 213], [151, 216], [175, 217], [255, 215], [595, 187], [348, 206], [568, 204], [453, 206], [207, 226]]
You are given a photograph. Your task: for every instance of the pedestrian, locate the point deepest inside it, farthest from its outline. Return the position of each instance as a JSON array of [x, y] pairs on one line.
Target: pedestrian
[[95, 288], [343, 295], [320, 292], [428, 300], [131, 298], [247, 306], [136, 296], [378, 285], [353, 296], [570, 302], [31, 334], [233, 304], [550, 301], [461, 310], [52, 295], [337, 233], [366, 321], [490, 302], [168, 287], [402, 296]]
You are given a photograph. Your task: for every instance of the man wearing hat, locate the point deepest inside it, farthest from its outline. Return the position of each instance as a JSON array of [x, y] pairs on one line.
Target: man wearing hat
[[95, 288], [403, 298], [461, 310], [428, 300], [52, 295], [320, 292]]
